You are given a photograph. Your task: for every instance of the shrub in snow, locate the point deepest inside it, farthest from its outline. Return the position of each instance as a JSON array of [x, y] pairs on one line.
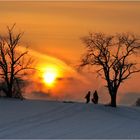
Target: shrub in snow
[[138, 102]]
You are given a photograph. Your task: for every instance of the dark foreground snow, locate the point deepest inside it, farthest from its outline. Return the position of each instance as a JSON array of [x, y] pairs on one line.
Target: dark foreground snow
[[47, 119]]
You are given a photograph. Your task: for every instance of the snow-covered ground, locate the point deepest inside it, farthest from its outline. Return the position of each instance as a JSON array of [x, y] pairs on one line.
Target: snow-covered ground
[[50, 119]]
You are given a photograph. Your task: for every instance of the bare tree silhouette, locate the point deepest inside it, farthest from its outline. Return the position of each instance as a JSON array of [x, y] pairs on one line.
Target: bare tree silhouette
[[13, 63], [114, 57]]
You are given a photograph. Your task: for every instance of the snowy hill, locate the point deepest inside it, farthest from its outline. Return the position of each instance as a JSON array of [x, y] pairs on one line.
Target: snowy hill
[[48, 119]]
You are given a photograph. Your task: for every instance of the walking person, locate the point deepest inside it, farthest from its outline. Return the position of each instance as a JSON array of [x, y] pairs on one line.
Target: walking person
[[87, 97], [95, 97]]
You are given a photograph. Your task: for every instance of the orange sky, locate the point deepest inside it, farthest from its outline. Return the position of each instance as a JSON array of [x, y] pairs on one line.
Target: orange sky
[[55, 29]]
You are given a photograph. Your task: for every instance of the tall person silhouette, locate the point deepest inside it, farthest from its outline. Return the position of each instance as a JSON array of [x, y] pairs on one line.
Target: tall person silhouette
[[95, 97], [87, 97]]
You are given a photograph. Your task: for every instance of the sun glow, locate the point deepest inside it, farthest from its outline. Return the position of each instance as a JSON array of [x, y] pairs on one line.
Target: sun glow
[[50, 75]]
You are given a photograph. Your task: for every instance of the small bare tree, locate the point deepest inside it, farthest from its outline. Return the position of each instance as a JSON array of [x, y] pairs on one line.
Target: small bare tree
[[114, 57], [13, 63]]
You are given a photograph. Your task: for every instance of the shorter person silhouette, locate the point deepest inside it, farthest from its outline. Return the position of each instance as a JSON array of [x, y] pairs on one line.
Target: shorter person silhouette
[[95, 97], [87, 97]]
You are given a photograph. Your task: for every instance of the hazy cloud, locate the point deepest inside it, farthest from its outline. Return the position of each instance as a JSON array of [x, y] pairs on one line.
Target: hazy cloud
[[129, 98]]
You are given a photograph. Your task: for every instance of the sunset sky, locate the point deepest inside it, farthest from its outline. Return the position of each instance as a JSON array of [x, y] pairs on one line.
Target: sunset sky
[[52, 30]]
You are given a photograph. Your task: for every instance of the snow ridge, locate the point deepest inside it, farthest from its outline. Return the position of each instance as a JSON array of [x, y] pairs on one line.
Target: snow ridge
[[51, 119]]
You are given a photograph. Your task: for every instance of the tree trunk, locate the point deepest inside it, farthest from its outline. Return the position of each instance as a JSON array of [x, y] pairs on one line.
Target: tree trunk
[[113, 94], [9, 91], [113, 100]]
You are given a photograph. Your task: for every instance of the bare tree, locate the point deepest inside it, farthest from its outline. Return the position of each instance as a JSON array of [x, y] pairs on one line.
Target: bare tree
[[13, 62], [115, 58]]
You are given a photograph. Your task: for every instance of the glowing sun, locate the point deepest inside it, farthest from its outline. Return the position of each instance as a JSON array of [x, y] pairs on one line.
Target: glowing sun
[[50, 75]]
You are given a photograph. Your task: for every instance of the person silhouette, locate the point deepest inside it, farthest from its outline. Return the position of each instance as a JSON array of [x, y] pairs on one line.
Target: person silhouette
[[95, 97], [87, 97]]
